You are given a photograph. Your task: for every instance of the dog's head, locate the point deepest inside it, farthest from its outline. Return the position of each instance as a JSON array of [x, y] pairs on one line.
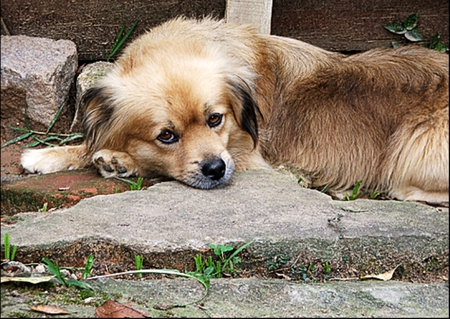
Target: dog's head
[[183, 111]]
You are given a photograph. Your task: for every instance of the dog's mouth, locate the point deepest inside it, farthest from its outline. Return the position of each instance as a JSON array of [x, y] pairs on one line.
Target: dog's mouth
[[211, 173]]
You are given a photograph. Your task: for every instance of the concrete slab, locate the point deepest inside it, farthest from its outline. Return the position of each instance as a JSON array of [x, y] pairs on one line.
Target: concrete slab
[[256, 298], [266, 207]]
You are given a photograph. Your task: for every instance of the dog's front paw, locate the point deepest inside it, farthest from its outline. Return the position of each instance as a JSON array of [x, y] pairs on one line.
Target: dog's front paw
[[114, 164]]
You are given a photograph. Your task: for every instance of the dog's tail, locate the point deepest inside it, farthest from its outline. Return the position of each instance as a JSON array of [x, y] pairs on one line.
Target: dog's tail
[[49, 160]]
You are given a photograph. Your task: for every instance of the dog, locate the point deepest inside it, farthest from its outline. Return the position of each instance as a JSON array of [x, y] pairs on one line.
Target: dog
[[195, 100]]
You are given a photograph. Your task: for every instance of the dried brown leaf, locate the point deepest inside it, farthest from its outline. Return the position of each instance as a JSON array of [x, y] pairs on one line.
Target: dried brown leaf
[[31, 280], [114, 309], [49, 309], [384, 276], [284, 276]]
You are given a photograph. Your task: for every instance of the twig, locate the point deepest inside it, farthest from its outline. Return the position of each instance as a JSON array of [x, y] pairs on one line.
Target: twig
[[4, 27]]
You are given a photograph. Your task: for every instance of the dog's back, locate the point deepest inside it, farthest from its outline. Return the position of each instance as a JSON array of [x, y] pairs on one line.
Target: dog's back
[[379, 116]]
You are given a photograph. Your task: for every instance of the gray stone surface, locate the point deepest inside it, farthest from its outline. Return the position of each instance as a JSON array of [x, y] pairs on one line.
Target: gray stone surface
[[43, 69], [274, 298], [280, 217], [255, 298], [264, 206]]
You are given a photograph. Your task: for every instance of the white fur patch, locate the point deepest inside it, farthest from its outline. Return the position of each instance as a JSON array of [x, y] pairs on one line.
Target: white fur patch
[[49, 160]]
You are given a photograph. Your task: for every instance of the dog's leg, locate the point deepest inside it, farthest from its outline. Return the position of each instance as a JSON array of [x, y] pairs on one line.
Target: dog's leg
[[49, 160], [419, 163], [114, 163]]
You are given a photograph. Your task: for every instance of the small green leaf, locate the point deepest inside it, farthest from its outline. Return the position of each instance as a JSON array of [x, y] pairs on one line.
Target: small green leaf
[[441, 48], [55, 118], [7, 246], [119, 35], [237, 251], [414, 35], [51, 138], [72, 137], [209, 271], [20, 129], [436, 44], [41, 141], [54, 270], [411, 21], [80, 284], [138, 260], [395, 27], [88, 267], [44, 208], [118, 43], [13, 253], [32, 144], [227, 248], [434, 41], [19, 138]]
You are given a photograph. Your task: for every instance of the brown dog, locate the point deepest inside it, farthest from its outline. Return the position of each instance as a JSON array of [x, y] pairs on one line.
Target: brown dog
[[195, 100]]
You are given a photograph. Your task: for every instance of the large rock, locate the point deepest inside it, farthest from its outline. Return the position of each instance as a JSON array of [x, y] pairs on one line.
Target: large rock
[[39, 71]]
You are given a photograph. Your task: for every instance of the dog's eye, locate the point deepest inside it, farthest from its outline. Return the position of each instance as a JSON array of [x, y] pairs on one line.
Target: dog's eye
[[167, 137], [215, 119]]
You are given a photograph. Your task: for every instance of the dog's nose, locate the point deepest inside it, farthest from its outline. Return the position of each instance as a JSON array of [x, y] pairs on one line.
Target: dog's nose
[[214, 169]]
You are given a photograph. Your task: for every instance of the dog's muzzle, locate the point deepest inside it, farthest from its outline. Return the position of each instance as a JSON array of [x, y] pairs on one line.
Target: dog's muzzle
[[214, 169], [211, 173]]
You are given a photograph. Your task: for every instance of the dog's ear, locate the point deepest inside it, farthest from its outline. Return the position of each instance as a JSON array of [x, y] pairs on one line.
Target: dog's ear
[[97, 109], [245, 108]]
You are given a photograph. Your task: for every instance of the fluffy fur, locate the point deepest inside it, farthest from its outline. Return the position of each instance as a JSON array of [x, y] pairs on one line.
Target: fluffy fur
[[196, 100]]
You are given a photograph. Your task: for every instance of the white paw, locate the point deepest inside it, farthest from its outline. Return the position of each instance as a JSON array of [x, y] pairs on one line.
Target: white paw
[[40, 161]]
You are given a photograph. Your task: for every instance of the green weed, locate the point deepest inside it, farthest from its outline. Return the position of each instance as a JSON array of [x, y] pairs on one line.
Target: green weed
[[48, 137], [55, 270], [326, 267], [119, 41], [88, 267], [279, 261], [306, 273], [374, 195], [10, 252], [355, 191], [216, 269], [44, 208], [134, 186], [408, 29], [139, 260]]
